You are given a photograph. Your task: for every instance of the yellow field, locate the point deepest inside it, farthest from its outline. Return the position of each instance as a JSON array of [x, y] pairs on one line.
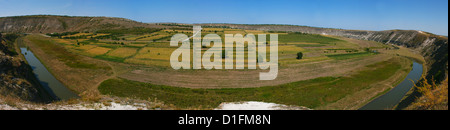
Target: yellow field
[[212, 29], [123, 52], [289, 49], [236, 32], [153, 37], [155, 53], [65, 41], [86, 47], [98, 51]]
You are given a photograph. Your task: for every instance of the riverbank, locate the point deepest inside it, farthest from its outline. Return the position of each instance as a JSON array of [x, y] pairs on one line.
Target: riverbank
[[17, 80], [79, 74], [393, 97]]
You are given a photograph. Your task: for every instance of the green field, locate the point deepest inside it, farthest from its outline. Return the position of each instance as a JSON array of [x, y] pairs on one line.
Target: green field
[[351, 55], [310, 93]]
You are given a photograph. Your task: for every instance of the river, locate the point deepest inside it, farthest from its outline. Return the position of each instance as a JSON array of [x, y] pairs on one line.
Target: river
[[394, 96], [53, 86]]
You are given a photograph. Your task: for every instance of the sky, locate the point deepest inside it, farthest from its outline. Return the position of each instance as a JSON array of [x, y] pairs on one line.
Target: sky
[[425, 15]]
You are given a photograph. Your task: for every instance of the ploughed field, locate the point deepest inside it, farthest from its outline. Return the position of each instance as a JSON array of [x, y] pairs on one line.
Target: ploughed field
[[136, 63]]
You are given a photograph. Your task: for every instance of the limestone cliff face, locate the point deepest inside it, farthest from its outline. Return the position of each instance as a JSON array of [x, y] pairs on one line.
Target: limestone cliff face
[[16, 77]]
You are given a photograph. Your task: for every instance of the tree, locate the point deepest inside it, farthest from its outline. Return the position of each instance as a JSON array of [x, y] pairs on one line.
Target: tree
[[300, 55]]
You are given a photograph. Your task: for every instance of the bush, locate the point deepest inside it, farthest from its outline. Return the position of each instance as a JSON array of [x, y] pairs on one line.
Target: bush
[[434, 96], [300, 55]]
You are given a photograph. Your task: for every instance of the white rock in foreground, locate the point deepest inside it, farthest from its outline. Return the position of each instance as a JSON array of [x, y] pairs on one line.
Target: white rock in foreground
[[253, 105]]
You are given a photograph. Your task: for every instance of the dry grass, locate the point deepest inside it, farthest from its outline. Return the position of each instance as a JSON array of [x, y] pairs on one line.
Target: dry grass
[[434, 97]]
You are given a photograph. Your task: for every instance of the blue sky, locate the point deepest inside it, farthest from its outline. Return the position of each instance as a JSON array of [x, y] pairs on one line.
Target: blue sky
[[425, 15]]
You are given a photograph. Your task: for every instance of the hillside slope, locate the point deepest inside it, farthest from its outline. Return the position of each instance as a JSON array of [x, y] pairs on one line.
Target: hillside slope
[[51, 24]]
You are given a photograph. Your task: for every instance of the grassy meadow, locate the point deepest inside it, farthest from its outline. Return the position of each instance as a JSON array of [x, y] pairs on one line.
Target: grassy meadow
[[310, 93]]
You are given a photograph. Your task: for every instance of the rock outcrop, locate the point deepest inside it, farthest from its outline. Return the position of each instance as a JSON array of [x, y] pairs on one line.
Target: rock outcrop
[[16, 77]]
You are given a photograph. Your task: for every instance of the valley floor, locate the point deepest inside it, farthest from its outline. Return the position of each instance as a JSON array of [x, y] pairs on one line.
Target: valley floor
[[320, 81]]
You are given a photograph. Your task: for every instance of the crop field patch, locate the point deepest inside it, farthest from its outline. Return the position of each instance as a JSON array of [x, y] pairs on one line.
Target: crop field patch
[[123, 52], [98, 51], [85, 47], [155, 53], [242, 32], [289, 49], [212, 29], [64, 41]]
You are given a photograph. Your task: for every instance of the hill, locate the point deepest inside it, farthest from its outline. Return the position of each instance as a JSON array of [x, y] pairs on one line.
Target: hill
[[52, 24]]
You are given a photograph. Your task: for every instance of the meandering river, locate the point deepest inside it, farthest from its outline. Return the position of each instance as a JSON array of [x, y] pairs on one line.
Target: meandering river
[[394, 96], [53, 86]]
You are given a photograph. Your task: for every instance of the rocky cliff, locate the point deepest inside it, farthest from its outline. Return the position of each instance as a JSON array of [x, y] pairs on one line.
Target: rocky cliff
[[16, 77]]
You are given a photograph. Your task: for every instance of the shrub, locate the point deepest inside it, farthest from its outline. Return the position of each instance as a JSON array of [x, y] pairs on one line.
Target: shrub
[[300, 55], [434, 97]]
